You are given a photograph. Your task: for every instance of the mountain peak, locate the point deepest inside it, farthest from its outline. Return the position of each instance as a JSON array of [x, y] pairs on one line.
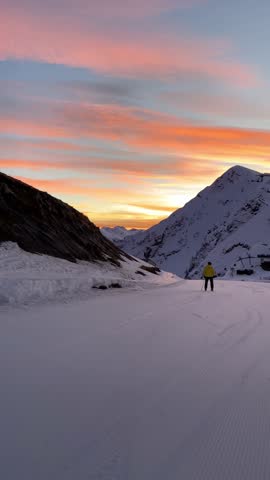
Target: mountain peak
[[225, 221], [236, 175], [239, 171]]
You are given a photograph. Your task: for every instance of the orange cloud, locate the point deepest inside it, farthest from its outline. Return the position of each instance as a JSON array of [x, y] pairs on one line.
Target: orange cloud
[[18, 163], [57, 145], [129, 220], [69, 189], [146, 131], [11, 125], [70, 186], [92, 164], [50, 38], [150, 130], [150, 206], [124, 172], [120, 218], [57, 186]]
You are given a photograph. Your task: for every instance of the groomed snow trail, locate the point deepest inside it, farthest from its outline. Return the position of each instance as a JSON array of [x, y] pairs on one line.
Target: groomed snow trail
[[165, 384]]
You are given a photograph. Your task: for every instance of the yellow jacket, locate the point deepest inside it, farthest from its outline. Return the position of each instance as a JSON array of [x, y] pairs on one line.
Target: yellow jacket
[[208, 271]]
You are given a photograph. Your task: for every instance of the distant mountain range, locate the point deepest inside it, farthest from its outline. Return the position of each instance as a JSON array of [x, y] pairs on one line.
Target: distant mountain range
[[40, 223], [118, 233], [225, 222]]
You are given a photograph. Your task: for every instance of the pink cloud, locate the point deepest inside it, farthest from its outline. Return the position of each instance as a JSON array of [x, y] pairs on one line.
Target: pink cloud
[[28, 145], [38, 128], [55, 39], [102, 8], [122, 168], [125, 8]]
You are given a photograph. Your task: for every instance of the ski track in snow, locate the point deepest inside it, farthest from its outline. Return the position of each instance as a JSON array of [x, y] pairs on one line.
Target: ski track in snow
[[169, 383]]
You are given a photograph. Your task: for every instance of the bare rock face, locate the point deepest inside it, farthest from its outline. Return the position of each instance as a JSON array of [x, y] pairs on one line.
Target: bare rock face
[[39, 223]]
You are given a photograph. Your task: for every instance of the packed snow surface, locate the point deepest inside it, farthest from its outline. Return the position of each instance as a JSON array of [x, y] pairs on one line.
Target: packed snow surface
[[166, 383]]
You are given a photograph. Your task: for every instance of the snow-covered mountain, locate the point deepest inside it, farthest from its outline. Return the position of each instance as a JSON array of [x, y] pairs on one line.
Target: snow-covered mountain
[[118, 233], [226, 221]]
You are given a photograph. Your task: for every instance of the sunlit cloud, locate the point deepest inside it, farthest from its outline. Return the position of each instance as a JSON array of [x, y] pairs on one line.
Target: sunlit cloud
[[103, 8], [14, 126], [209, 152], [153, 208], [145, 130], [58, 186], [139, 216], [74, 186], [26, 145], [120, 217], [51, 39], [124, 109], [150, 130]]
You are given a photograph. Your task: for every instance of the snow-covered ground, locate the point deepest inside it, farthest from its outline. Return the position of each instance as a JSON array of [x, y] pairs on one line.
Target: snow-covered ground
[[164, 383], [27, 278]]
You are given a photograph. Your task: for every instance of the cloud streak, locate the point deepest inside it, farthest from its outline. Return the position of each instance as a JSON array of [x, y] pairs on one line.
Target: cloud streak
[[143, 130], [217, 104], [150, 130], [72, 187], [102, 8], [27, 35]]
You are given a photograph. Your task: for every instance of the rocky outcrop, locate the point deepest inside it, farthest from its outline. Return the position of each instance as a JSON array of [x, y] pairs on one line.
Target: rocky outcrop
[[40, 223]]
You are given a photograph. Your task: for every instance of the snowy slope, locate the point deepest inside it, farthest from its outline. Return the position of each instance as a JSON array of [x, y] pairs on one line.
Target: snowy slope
[[118, 233], [228, 220], [28, 278], [165, 384]]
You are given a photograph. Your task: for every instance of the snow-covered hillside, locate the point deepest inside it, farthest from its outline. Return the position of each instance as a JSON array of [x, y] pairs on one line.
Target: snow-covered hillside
[[26, 278], [118, 233], [226, 221], [165, 384]]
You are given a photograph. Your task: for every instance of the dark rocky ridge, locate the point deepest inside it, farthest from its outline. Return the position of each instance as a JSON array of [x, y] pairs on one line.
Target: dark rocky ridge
[[40, 223]]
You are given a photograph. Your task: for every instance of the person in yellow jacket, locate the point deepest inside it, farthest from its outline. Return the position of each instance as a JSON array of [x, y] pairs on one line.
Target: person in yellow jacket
[[209, 274]]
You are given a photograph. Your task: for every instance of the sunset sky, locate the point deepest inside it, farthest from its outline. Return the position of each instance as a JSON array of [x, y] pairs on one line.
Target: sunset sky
[[125, 109]]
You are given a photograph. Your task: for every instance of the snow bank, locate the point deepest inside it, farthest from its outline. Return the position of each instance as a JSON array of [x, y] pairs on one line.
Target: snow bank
[[28, 278]]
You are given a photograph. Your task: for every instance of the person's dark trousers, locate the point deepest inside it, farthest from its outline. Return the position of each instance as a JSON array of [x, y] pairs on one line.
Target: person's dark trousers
[[211, 283]]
